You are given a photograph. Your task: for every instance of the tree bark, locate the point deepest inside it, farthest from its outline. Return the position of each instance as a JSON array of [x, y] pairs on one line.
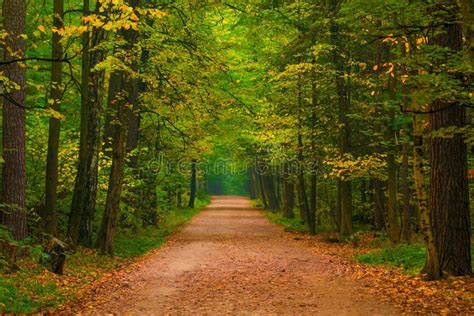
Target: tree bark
[[343, 93], [288, 193], [432, 267], [14, 118], [393, 225], [193, 185], [406, 194], [449, 179], [313, 171], [51, 184], [302, 195], [106, 236]]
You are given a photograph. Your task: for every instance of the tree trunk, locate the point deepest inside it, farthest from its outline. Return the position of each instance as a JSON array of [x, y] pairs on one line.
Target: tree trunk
[[261, 189], [343, 93], [270, 191], [379, 204], [193, 185], [115, 85], [432, 267], [393, 225], [85, 189], [302, 195], [106, 236], [14, 165], [406, 194], [288, 193], [51, 184], [125, 98], [313, 170], [337, 210], [253, 184], [449, 179]]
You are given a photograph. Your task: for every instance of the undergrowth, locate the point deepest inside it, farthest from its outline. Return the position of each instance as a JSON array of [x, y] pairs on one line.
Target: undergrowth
[[409, 257], [293, 224]]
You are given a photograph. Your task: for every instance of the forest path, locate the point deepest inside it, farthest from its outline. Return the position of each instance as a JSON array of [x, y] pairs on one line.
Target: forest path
[[231, 260]]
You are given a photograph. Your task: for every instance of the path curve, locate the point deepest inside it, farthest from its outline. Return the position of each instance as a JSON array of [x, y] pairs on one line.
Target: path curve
[[230, 260]]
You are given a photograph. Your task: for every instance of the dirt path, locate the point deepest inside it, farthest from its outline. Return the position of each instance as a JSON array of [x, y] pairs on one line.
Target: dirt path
[[231, 260]]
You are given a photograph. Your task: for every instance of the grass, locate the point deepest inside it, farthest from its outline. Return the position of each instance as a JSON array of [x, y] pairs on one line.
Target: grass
[[409, 257], [33, 289], [289, 223], [20, 293], [132, 245]]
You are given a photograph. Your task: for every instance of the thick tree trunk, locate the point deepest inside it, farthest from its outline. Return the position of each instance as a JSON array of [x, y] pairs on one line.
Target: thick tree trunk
[[51, 184], [85, 190], [449, 179], [14, 165], [193, 185]]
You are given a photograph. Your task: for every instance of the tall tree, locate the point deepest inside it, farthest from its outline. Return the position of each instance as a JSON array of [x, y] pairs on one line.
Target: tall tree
[[14, 166], [343, 94], [85, 190], [193, 184], [125, 97], [51, 184], [449, 179]]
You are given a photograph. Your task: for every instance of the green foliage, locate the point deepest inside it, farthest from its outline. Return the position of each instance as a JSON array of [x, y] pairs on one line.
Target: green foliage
[[130, 245], [409, 257], [293, 224], [19, 293]]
